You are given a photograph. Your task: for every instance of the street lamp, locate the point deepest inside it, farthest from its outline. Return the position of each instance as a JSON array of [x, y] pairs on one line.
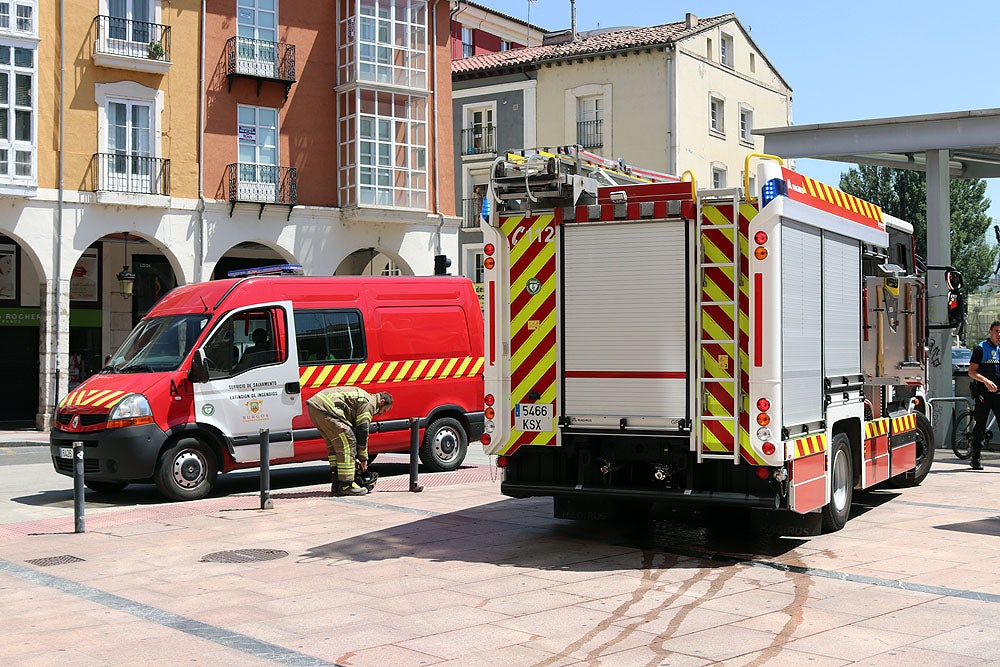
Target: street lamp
[[126, 279]]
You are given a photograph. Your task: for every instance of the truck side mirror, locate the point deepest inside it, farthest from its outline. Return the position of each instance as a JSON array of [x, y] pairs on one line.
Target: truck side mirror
[[199, 369]]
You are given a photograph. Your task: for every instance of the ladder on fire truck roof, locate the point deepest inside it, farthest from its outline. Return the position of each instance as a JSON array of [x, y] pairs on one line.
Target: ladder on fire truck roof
[[721, 301]]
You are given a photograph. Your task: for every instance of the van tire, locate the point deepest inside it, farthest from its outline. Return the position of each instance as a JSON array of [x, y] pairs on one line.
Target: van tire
[[186, 471], [836, 512], [445, 445], [105, 487]]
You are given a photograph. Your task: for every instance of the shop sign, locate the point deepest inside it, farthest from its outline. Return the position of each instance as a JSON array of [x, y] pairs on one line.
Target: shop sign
[[19, 317]]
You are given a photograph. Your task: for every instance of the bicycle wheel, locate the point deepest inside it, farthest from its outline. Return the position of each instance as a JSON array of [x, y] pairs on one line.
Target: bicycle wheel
[[961, 435]]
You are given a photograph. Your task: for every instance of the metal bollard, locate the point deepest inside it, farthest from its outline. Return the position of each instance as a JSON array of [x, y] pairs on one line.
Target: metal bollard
[[265, 469], [78, 522], [414, 454]]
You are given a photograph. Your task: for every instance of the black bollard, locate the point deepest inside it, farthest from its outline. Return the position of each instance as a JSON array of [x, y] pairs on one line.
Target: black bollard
[[78, 486], [265, 469], [414, 454]]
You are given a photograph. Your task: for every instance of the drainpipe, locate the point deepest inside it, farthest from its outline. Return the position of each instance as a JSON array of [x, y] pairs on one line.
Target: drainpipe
[[671, 107], [199, 267], [57, 250], [437, 150]]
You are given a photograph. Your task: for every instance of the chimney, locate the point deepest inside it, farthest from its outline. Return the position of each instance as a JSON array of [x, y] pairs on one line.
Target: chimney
[[690, 20], [572, 21]]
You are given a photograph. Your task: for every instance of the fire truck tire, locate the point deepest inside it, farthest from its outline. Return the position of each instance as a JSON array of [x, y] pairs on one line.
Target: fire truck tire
[[835, 512], [445, 444], [186, 471], [925, 457], [105, 487]]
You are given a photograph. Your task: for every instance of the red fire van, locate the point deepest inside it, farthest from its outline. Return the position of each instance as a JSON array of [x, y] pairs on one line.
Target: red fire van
[[187, 394]]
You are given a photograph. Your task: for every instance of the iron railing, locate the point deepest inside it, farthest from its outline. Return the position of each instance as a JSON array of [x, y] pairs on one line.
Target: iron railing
[[479, 139], [137, 174], [134, 39], [589, 133], [471, 209], [260, 59], [262, 184]]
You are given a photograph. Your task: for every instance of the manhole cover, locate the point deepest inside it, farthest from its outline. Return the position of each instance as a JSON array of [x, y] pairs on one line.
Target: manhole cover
[[244, 556], [54, 560]]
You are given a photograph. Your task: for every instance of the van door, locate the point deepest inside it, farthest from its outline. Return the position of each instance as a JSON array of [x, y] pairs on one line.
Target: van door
[[253, 380]]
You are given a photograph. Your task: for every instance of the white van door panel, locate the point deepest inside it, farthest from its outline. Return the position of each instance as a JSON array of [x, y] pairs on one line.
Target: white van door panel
[[253, 384]]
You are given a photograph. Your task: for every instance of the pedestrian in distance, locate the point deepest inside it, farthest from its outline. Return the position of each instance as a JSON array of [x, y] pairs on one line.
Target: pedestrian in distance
[[342, 415], [984, 368]]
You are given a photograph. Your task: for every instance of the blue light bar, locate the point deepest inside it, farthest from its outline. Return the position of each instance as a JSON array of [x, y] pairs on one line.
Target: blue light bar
[[273, 270], [773, 188]]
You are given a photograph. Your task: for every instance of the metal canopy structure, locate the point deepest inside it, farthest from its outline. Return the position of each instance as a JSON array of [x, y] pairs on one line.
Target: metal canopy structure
[[961, 144]]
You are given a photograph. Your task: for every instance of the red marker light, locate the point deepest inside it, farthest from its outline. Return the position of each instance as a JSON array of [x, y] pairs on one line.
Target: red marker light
[[763, 404], [489, 399], [489, 249], [502, 461], [485, 438], [762, 473], [768, 448], [760, 238]]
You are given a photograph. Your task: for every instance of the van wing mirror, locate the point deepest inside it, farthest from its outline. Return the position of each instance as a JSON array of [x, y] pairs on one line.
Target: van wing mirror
[[199, 369]]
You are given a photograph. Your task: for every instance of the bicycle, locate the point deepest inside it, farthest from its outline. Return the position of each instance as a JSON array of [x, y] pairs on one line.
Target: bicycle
[[961, 434]]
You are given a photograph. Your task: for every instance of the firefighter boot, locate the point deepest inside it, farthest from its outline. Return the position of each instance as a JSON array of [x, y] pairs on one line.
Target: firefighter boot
[[350, 489], [335, 483]]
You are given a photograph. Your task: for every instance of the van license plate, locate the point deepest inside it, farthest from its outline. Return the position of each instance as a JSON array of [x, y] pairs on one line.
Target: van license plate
[[65, 452], [533, 417]]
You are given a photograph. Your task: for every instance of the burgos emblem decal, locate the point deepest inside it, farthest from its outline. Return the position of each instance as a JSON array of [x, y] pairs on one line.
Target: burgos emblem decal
[[208, 409], [254, 406]]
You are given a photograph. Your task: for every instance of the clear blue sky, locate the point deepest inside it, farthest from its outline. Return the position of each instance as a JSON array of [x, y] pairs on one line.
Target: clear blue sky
[[844, 60]]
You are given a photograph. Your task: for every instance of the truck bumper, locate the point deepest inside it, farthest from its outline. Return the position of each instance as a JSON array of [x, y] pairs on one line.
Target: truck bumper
[[667, 496], [116, 455]]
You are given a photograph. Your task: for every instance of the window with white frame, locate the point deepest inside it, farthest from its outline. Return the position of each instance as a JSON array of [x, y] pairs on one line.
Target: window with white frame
[[478, 271], [392, 149], [718, 177], [590, 121], [257, 131], [746, 125], [726, 50], [479, 133], [392, 42], [17, 114], [127, 163], [256, 37], [717, 114], [467, 47], [505, 45], [18, 16], [130, 21]]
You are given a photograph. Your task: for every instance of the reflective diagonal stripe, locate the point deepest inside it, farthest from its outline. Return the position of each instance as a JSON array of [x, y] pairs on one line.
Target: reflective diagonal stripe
[[382, 372], [813, 444]]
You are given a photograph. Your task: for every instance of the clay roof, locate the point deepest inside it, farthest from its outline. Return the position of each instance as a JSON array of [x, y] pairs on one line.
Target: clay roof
[[586, 45]]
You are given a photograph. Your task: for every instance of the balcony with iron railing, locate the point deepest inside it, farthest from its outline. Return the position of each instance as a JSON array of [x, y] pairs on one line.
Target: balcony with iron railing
[[262, 184], [134, 45], [261, 61], [471, 211], [131, 174], [589, 133], [479, 140]]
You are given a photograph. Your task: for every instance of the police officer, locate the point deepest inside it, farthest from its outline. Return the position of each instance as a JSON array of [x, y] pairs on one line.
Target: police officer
[[985, 370], [342, 415]]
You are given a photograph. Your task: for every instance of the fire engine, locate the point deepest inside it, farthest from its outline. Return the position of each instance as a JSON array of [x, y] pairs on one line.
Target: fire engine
[[649, 341]]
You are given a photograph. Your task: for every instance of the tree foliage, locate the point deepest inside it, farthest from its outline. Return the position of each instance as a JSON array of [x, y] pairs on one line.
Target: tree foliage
[[903, 194]]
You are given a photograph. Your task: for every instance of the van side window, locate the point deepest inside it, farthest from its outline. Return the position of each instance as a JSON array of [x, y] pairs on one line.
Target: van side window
[[325, 336], [245, 340]]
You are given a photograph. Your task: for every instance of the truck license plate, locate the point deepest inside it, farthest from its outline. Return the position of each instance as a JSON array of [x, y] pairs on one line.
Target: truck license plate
[[533, 417], [65, 452]]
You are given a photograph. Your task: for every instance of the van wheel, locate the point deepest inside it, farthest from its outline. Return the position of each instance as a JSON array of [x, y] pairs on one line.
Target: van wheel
[[186, 471], [105, 487], [835, 512], [925, 457], [445, 444]]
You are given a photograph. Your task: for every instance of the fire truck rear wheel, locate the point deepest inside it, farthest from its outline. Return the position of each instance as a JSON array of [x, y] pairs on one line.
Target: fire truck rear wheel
[[925, 456], [186, 471], [445, 444], [835, 512]]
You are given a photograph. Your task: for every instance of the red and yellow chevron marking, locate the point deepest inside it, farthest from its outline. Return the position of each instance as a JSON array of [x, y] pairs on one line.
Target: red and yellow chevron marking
[[822, 196], [719, 330], [814, 444], [532, 321], [94, 398], [382, 372], [876, 428], [904, 423]]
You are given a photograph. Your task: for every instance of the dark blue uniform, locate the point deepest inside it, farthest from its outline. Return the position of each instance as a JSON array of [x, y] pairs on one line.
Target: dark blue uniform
[[987, 356]]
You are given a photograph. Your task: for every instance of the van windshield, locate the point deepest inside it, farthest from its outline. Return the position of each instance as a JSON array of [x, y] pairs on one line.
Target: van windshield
[[158, 344]]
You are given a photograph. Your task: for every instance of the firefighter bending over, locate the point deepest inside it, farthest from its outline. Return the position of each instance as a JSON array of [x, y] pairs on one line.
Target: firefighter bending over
[[342, 415]]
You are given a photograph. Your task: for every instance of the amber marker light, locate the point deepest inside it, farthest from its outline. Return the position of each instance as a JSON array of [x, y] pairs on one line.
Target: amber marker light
[[763, 419], [489, 263], [760, 252], [490, 413]]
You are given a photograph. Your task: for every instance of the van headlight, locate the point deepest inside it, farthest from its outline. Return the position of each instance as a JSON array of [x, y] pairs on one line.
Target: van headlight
[[130, 411]]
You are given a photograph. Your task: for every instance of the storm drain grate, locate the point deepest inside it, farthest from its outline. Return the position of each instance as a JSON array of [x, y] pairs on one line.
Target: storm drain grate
[[54, 560], [244, 556]]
